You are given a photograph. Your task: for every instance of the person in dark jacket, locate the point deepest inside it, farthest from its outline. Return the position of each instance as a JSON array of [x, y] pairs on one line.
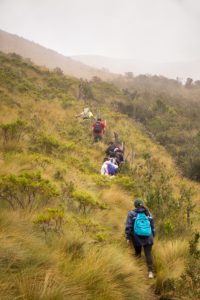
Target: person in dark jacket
[[138, 241], [110, 150], [119, 155]]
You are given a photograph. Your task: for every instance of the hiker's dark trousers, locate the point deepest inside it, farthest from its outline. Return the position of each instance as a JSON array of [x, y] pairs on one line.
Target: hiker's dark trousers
[[147, 251], [98, 137]]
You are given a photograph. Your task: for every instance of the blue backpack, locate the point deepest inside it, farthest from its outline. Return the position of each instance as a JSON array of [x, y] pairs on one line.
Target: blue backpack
[[142, 226]]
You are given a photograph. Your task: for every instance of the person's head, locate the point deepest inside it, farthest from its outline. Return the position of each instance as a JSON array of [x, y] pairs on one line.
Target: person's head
[[98, 119], [111, 143], [118, 150], [138, 203]]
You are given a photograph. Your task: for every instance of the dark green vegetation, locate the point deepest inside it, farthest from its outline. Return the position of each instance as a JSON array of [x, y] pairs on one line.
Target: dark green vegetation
[[62, 224], [170, 114]]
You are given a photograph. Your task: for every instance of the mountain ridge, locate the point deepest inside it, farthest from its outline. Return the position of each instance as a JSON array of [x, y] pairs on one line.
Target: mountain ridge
[[11, 43]]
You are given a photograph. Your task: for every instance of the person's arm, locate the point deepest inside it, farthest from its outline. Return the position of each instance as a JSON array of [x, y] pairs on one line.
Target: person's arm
[[103, 126], [93, 127], [91, 115], [108, 150], [79, 115], [129, 227]]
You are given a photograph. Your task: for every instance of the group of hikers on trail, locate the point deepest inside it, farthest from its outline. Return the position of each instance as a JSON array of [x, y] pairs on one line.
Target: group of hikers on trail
[[98, 127], [139, 228], [115, 156], [111, 164]]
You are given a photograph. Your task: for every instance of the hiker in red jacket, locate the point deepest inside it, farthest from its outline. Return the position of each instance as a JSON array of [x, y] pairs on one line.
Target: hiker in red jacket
[[98, 129]]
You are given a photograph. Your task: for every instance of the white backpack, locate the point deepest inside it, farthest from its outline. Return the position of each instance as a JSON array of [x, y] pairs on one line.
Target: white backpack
[[86, 113]]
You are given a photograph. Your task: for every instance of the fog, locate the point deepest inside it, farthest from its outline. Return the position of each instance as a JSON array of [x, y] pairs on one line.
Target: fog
[[144, 30]]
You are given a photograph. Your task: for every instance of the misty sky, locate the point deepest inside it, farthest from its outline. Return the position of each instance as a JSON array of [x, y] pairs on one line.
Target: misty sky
[[146, 30]]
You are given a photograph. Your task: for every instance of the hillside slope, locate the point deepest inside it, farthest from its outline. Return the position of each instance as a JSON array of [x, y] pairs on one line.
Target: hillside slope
[[10, 43], [62, 223], [170, 112]]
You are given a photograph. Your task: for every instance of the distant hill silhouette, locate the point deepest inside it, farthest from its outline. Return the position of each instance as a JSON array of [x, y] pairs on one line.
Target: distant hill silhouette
[[10, 43], [173, 70]]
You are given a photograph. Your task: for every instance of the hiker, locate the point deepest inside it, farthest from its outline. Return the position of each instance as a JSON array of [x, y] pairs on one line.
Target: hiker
[[98, 129], [115, 151], [140, 231], [111, 148], [119, 154], [109, 168], [86, 114]]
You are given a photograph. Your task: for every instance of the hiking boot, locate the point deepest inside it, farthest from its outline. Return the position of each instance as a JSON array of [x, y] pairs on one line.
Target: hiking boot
[[150, 275]]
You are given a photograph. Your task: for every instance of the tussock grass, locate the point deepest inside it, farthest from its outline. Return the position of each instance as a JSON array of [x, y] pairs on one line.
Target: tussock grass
[[69, 268], [104, 274], [169, 257]]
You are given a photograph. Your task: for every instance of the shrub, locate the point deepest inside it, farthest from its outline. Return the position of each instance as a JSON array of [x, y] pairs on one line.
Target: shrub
[[26, 190], [86, 201], [8, 78], [102, 181], [94, 229], [52, 221], [7, 100], [125, 182], [59, 173], [14, 131], [46, 143], [168, 227], [67, 189], [42, 161]]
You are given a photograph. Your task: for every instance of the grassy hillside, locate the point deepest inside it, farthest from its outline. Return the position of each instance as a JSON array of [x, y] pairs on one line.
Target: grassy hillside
[[62, 223]]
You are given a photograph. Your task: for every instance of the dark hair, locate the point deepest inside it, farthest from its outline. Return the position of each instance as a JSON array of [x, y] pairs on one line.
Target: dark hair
[[146, 210], [105, 159], [98, 119]]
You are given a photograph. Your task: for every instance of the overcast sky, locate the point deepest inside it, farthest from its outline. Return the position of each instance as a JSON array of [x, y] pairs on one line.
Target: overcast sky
[[146, 30]]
